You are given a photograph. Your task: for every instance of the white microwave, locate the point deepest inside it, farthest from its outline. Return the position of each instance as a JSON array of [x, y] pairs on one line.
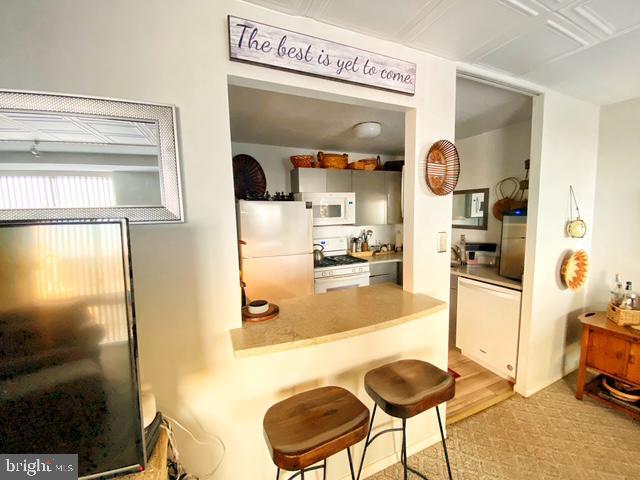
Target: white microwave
[[331, 208]]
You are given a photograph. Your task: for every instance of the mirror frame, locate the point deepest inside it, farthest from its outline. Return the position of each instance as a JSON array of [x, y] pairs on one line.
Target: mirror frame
[[485, 217], [171, 208]]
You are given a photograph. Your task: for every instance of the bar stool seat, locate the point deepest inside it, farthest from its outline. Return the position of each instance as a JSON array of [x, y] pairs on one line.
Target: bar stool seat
[[406, 388], [403, 389], [311, 426]]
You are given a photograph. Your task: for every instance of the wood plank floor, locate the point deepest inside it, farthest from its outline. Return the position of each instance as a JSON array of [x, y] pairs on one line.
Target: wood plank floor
[[476, 389]]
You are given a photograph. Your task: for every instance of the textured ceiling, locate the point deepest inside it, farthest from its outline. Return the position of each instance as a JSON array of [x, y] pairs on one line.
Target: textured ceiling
[[481, 108], [584, 48], [270, 118], [263, 117]]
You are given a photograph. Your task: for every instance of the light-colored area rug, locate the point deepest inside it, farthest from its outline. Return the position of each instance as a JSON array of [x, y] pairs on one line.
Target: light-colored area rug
[[550, 435]]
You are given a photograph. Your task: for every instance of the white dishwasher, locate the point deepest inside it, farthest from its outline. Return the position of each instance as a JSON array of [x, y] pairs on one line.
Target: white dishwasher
[[488, 325]]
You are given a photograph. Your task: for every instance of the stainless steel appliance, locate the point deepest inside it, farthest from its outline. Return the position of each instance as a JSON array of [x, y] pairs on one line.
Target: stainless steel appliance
[[331, 208], [277, 253], [512, 247], [339, 271]]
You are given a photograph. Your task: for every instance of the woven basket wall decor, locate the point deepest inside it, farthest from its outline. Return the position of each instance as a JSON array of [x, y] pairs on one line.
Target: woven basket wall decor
[[575, 269], [248, 176], [443, 167]]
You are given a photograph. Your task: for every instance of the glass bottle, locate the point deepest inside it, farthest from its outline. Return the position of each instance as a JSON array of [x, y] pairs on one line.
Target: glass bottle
[[617, 294]]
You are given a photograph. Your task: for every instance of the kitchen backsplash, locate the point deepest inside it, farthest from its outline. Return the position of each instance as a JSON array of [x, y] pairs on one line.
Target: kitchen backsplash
[[382, 233]]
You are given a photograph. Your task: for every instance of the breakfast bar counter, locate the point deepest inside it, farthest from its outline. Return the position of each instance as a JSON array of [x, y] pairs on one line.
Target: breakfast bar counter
[[331, 316]]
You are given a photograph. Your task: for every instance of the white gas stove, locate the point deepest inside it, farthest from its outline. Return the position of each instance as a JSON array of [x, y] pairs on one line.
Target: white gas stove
[[339, 271]]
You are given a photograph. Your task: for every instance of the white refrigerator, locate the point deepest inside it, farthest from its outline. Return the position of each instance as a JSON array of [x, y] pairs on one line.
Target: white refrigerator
[[276, 249]]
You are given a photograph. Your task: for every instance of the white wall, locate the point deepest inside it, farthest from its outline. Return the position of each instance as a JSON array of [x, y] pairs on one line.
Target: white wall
[[486, 159], [186, 275], [565, 143], [616, 230]]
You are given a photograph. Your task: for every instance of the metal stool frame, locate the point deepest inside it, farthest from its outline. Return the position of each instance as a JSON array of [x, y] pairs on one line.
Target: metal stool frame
[[318, 467], [403, 454]]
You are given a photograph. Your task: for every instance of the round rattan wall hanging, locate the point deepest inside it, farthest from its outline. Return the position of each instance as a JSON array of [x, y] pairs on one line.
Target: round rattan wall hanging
[[248, 177], [575, 269], [443, 167]]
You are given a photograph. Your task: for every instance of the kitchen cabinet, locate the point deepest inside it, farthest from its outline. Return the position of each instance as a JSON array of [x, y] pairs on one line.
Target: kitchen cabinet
[[378, 193], [488, 325], [308, 180], [338, 180], [371, 198], [393, 189], [383, 273], [319, 180]]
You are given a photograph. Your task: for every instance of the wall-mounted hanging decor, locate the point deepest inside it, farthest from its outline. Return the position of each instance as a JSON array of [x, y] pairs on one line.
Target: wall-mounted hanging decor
[[274, 47], [443, 167], [575, 269], [576, 228], [249, 180]]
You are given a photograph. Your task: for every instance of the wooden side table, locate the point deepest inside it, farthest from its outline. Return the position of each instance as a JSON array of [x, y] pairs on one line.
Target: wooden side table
[[611, 350]]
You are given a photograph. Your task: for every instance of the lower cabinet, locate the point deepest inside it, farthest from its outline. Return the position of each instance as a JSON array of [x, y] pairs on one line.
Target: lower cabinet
[[389, 272], [488, 325]]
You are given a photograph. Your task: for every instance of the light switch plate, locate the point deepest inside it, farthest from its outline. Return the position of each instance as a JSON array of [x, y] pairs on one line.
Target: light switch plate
[[442, 242]]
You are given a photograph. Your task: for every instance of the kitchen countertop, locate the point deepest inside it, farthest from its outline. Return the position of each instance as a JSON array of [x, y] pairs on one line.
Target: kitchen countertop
[[485, 273], [389, 258], [331, 316]]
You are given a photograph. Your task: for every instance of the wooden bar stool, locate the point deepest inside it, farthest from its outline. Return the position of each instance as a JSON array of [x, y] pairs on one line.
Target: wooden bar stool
[[311, 426], [404, 389]]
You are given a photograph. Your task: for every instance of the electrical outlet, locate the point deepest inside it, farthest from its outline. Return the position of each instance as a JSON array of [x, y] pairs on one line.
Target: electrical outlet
[[442, 242]]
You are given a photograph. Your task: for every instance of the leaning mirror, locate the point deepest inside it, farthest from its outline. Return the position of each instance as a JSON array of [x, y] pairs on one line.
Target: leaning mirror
[[82, 157], [470, 209]]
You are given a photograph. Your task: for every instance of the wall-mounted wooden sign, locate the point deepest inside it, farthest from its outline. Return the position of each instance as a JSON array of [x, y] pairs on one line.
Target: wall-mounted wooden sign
[[261, 44]]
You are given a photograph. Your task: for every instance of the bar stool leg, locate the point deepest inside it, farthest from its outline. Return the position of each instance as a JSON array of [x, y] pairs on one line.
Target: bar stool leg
[[353, 475], [444, 443], [366, 443], [278, 474], [403, 455], [324, 470]]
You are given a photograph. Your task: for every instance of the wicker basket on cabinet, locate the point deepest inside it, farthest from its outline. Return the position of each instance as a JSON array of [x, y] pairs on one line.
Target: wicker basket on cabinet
[[622, 316], [333, 160]]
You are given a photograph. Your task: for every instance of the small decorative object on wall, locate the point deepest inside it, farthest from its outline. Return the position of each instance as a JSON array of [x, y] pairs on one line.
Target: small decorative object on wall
[[575, 269], [517, 196], [576, 228], [443, 167], [248, 177], [261, 44]]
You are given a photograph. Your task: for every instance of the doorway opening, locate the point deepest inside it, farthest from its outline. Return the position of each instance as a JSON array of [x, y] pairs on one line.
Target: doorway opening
[[341, 164], [489, 222]]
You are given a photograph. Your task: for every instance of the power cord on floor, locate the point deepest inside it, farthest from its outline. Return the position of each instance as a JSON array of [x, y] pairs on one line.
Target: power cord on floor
[[179, 471]]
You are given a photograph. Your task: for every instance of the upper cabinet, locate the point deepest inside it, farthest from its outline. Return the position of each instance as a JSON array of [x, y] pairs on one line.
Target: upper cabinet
[[338, 180], [378, 193], [371, 198], [393, 189], [309, 180]]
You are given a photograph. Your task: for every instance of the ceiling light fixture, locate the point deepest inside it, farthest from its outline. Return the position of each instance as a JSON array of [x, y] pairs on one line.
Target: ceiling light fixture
[[367, 129], [34, 150]]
